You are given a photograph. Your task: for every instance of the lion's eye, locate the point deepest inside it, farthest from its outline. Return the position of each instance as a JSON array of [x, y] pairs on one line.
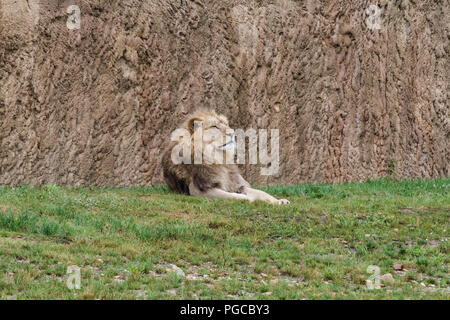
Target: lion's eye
[[215, 127]]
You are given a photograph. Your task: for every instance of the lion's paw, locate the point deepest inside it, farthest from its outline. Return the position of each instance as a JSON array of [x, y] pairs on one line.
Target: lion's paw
[[283, 201]]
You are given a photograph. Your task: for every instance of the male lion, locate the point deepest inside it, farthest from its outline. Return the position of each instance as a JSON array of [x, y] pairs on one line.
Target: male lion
[[220, 181]]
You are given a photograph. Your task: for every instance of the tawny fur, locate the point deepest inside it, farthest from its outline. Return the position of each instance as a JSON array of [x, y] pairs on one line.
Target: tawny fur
[[211, 180]]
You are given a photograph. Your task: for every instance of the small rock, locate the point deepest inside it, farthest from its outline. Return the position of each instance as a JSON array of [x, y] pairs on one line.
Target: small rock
[[387, 278], [153, 274], [178, 271], [423, 284], [140, 293], [274, 281], [172, 292], [267, 293], [398, 266]]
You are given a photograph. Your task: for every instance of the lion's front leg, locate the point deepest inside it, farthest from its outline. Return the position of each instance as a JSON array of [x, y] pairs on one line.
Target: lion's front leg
[[217, 193], [221, 194], [254, 194]]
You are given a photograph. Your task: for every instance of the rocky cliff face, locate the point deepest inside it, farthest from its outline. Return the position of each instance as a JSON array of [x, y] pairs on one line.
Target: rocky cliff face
[[358, 89]]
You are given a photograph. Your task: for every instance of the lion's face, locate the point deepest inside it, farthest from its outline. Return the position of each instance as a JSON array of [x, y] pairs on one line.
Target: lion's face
[[214, 135]]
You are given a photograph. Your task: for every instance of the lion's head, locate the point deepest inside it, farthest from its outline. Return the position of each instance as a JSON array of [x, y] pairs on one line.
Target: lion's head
[[211, 133]]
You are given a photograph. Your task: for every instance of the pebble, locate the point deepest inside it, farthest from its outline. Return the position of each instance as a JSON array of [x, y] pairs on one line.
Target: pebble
[[172, 292], [398, 266], [387, 278], [178, 271]]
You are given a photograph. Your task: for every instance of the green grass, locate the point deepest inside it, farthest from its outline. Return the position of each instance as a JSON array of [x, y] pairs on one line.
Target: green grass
[[318, 247]]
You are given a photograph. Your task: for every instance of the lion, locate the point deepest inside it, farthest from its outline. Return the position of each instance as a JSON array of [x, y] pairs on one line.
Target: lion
[[209, 179]]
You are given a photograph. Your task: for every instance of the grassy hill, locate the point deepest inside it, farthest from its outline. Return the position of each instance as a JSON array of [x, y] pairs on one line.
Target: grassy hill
[[148, 243]]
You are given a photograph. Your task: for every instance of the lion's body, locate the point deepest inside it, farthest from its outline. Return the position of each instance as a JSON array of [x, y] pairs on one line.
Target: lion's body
[[203, 177], [213, 180]]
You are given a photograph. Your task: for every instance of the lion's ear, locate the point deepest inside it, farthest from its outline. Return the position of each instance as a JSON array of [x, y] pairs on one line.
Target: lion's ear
[[192, 122]]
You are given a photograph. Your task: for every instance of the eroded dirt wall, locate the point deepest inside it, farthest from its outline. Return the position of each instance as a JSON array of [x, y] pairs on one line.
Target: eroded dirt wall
[[353, 96]]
